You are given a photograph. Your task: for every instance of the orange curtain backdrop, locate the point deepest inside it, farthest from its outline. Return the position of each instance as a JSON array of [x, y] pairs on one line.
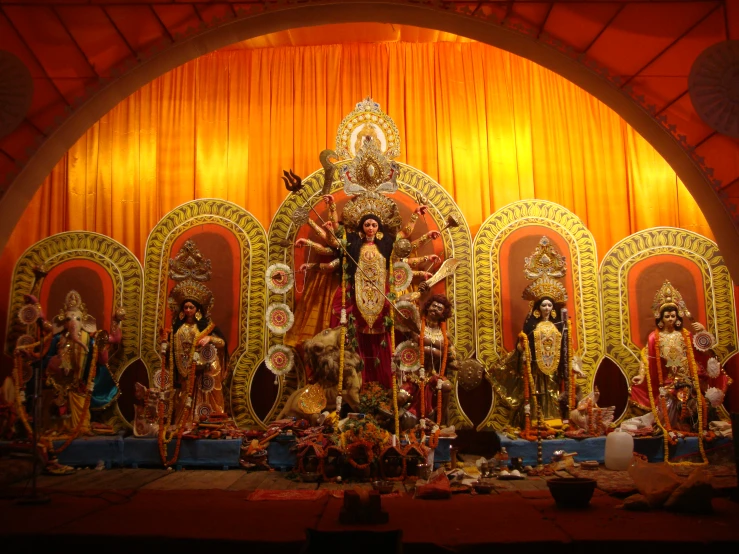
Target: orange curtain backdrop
[[491, 127]]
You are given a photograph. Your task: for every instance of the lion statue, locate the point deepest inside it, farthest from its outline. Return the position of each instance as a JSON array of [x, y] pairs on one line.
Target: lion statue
[[321, 353]]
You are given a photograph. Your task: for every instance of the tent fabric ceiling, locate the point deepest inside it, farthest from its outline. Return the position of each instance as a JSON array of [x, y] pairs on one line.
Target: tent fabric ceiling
[[69, 45]]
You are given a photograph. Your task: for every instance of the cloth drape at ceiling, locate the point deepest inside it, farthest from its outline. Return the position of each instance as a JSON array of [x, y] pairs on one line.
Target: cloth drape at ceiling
[[491, 127]]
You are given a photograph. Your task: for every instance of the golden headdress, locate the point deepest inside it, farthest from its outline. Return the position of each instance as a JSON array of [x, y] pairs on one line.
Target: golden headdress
[[73, 305], [543, 267], [375, 204], [669, 297], [191, 270]]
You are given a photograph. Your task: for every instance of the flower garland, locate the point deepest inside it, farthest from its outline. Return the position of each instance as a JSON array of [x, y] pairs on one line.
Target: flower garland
[[528, 384], [395, 407], [188, 402], [368, 450], [442, 372], [342, 337], [422, 371], [570, 369], [88, 396], [702, 408]]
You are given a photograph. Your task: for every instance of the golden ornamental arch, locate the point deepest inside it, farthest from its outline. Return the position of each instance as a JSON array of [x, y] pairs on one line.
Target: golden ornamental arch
[[718, 290], [251, 237], [584, 270]]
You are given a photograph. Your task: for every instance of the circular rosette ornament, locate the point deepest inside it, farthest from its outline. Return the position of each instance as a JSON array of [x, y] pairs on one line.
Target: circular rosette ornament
[[207, 383], [279, 278], [402, 276], [29, 313], [713, 368], [280, 318], [704, 341], [408, 317], [279, 360], [208, 354], [409, 356], [161, 380], [203, 411]]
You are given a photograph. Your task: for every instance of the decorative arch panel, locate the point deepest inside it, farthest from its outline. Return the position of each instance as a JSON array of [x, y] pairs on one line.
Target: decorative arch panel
[[505, 239], [635, 268], [237, 243]]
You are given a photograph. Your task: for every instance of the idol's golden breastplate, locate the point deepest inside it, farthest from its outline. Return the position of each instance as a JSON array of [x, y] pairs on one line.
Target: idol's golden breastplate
[[369, 281], [183, 347], [547, 342], [672, 349]]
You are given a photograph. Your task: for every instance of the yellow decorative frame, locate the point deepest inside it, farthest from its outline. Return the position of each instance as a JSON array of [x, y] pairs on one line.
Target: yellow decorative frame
[[118, 261], [718, 290], [252, 300], [457, 243], [582, 264]]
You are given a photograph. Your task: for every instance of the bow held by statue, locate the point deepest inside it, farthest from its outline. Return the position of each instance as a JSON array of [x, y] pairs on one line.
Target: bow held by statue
[[293, 183]]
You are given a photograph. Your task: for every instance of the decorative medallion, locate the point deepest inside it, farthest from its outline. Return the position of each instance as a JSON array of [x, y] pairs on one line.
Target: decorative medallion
[[402, 276], [409, 356], [279, 359], [29, 314], [208, 353], [24, 340], [207, 383], [161, 380], [203, 411], [367, 123], [16, 92], [714, 87], [280, 318], [704, 341], [407, 317], [279, 278]]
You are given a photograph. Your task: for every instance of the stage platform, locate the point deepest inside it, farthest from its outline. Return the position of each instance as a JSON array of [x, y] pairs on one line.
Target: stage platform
[[595, 448], [116, 451]]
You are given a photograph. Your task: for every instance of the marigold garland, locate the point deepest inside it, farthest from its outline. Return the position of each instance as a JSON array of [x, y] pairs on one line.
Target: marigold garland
[[528, 387], [368, 450], [570, 370], [422, 371]]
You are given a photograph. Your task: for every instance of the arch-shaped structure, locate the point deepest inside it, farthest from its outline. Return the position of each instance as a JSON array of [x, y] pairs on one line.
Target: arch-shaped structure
[[484, 26]]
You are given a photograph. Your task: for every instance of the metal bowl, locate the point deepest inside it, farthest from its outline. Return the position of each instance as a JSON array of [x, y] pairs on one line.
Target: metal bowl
[[383, 487], [571, 492]]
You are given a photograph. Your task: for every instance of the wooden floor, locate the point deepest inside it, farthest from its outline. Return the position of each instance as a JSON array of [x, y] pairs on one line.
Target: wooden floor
[[230, 480]]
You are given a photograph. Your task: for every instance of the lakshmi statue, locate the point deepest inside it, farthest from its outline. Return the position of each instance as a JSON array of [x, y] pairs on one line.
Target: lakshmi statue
[[77, 367], [194, 354], [680, 380], [538, 376]]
